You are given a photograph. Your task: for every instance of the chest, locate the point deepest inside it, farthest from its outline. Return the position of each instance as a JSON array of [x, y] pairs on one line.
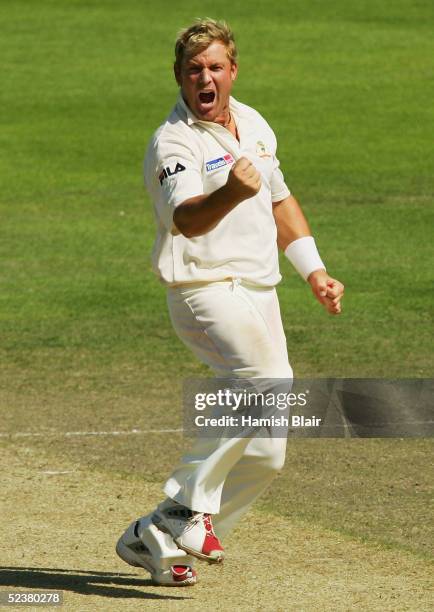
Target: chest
[[220, 150]]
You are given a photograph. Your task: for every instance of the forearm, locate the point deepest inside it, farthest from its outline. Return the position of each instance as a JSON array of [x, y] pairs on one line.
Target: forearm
[[290, 222], [197, 216], [295, 239], [301, 251], [291, 226]]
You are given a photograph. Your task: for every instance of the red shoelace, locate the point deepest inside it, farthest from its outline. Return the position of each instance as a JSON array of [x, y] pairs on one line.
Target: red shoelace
[[211, 540]]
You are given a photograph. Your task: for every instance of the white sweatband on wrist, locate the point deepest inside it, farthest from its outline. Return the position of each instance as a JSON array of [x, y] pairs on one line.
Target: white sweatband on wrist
[[304, 256]]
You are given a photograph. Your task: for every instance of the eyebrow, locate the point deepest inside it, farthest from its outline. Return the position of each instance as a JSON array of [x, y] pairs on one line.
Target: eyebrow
[[193, 64]]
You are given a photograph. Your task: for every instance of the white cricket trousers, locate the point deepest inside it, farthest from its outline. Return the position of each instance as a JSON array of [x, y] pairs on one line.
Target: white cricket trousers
[[237, 331]]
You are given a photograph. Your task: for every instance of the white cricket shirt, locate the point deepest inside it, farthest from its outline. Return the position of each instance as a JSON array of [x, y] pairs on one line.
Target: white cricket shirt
[[188, 157]]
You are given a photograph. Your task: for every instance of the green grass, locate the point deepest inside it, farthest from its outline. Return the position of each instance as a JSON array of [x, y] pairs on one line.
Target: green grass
[[346, 89], [85, 334]]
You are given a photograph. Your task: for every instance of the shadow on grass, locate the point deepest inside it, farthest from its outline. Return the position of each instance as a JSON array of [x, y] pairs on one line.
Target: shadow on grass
[[103, 584]]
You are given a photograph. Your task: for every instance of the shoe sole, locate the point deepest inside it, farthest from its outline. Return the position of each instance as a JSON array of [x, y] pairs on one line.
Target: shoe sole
[[160, 523], [127, 555], [201, 556]]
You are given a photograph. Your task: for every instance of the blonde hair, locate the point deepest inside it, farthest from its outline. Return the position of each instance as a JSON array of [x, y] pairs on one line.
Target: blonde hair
[[198, 37]]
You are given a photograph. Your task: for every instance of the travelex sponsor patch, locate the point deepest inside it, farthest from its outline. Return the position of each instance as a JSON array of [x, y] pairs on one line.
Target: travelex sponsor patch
[[218, 162]]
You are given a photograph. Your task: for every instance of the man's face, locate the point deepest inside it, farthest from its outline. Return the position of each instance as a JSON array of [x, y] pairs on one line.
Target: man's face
[[206, 82]]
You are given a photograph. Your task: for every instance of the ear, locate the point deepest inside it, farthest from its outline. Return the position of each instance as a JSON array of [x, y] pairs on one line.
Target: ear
[[234, 71], [177, 73]]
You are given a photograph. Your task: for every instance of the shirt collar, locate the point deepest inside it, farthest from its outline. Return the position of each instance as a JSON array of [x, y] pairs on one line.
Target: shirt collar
[[185, 111], [191, 117]]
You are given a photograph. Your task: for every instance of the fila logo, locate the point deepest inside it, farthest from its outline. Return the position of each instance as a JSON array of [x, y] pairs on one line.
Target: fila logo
[[168, 172]]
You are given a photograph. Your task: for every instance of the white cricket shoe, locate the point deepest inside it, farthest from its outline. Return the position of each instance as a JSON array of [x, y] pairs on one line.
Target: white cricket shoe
[[143, 545], [191, 531]]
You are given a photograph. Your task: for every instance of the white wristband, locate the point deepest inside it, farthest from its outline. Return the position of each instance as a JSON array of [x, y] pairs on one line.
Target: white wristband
[[304, 256]]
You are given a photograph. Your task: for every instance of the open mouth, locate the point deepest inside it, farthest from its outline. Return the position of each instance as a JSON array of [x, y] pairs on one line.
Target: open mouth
[[207, 97]]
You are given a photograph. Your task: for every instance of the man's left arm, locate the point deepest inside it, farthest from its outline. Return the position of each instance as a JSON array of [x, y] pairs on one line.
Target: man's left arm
[[295, 239]]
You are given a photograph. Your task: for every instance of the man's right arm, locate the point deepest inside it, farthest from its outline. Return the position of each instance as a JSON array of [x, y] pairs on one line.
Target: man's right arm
[[200, 214]]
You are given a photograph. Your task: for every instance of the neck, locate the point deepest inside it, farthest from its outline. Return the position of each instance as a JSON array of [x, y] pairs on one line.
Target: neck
[[229, 121], [225, 119]]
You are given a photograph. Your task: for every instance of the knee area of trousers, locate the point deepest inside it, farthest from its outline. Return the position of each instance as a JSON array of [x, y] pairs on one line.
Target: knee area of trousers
[[274, 460], [276, 463], [278, 371], [287, 373]]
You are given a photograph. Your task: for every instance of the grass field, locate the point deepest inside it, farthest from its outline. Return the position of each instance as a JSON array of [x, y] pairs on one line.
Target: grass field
[[86, 344]]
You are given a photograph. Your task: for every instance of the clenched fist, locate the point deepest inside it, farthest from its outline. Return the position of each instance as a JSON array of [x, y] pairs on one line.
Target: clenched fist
[[328, 291], [244, 181]]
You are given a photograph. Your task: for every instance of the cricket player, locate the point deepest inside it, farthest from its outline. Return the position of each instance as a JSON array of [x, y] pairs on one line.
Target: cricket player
[[222, 210]]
